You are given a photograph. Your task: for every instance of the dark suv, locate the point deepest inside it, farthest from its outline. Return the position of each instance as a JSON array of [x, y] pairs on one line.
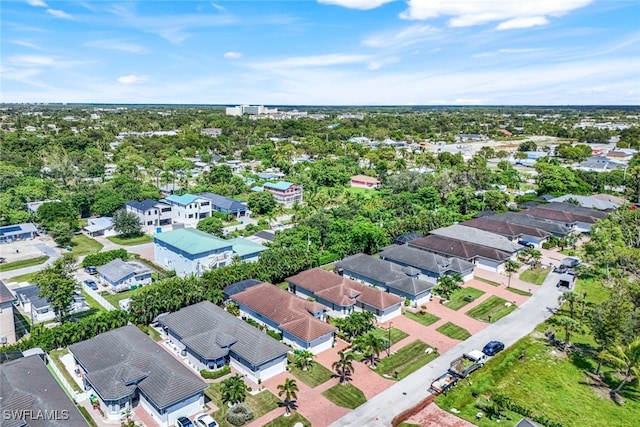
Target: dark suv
[[91, 270], [492, 348], [184, 422]]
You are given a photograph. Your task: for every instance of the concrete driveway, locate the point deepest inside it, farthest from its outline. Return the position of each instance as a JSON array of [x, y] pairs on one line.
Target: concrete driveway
[[404, 395]]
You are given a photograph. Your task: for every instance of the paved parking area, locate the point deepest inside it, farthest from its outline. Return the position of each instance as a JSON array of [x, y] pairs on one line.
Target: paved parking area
[[30, 248]]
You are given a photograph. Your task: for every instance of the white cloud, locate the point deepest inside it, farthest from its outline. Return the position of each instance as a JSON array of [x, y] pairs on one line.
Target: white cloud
[[314, 61], [59, 14], [534, 21], [24, 43], [131, 79], [232, 55], [376, 64], [509, 13], [218, 7], [356, 4], [521, 50], [406, 37], [118, 45], [31, 60], [37, 3]]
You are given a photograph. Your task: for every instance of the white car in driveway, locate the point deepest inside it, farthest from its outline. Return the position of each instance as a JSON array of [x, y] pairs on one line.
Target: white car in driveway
[[205, 420]]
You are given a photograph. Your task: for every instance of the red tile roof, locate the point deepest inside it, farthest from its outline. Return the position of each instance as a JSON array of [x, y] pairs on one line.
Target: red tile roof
[[504, 228], [457, 248], [291, 313], [341, 290]]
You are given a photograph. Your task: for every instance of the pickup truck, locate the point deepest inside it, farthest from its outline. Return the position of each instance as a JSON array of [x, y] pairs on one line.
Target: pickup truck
[[460, 368]]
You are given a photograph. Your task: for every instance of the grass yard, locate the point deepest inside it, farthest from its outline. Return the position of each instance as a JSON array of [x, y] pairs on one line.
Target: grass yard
[[55, 355], [83, 245], [131, 241], [261, 403], [405, 361], [29, 277], [283, 285], [490, 282], [315, 376], [114, 299], [459, 298], [550, 385], [535, 275], [23, 263], [594, 288], [519, 292], [345, 395], [396, 334], [289, 421], [491, 310], [454, 331], [424, 318]]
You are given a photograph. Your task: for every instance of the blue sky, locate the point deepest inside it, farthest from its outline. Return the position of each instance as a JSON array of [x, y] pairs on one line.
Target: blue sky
[[329, 52]]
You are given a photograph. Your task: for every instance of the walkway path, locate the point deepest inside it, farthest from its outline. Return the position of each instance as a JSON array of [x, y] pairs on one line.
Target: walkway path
[[407, 393]]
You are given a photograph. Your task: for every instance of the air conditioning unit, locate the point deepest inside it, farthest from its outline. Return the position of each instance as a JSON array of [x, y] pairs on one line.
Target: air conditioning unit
[[3, 340]]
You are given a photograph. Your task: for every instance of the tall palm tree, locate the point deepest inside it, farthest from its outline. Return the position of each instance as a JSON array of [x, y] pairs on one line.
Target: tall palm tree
[[373, 345], [626, 359], [570, 325], [343, 366], [572, 298], [233, 390], [290, 390], [511, 266], [303, 360]]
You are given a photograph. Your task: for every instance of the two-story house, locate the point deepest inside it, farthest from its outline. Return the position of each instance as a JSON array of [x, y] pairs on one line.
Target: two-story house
[[284, 192], [151, 213], [189, 208]]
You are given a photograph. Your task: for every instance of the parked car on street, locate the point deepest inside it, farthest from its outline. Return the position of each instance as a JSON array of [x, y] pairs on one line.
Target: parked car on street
[[184, 422], [91, 284], [205, 420], [91, 270], [493, 347]]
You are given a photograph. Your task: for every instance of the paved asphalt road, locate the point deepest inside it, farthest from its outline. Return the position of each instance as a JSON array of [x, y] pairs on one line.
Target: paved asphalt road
[[52, 253], [407, 393]]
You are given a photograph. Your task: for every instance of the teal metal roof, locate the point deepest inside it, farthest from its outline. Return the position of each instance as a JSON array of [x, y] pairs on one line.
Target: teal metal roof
[[184, 200], [280, 185], [257, 189], [243, 247], [192, 241]]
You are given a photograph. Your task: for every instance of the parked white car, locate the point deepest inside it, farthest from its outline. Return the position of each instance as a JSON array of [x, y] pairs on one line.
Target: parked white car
[[205, 420]]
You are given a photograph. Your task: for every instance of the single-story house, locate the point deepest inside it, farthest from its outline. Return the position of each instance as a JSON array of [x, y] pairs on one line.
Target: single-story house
[[32, 207], [122, 276], [429, 264], [513, 232], [522, 218], [39, 309], [364, 181], [11, 233], [478, 237], [482, 256], [125, 368], [591, 202], [263, 236], [404, 282], [237, 287], [225, 205], [99, 226], [568, 214], [208, 337], [189, 251], [600, 164], [29, 390], [343, 295], [301, 322], [7, 325]]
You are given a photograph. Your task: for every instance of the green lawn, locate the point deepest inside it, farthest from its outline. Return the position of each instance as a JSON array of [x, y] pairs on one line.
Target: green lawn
[[83, 245], [519, 291], [261, 403], [396, 334], [491, 310], [547, 384], [490, 282], [23, 263], [55, 355], [315, 376], [594, 288], [425, 318], [535, 275], [454, 331], [457, 299], [130, 241], [405, 361], [22, 278], [289, 421], [345, 395], [114, 299]]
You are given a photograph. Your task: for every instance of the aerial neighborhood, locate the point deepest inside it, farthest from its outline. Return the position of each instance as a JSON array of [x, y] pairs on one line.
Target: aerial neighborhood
[[259, 266]]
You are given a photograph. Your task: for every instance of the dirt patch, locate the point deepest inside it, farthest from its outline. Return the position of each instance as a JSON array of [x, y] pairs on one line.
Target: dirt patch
[[598, 386], [432, 416]]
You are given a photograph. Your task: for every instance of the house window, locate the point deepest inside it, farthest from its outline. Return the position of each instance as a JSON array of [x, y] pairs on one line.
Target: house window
[[149, 222], [190, 216]]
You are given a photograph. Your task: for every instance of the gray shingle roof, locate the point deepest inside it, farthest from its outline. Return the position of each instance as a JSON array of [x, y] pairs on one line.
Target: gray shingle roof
[[116, 270], [578, 211], [458, 248], [224, 202], [392, 275], [240, 286], [200, 324], [31, 294], [523, 219], [115, 359], [505, 228], [424, 260], [27, 385], [5, 293], [478, 237], [144, 205]]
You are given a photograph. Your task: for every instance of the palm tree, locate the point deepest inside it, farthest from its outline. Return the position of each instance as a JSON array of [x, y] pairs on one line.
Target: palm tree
[[289, 389], [626, 358], [536, 256], [215, 295], [570, 325], [373, 345], [511, 266], [303, 360], [344, 366], [572, 298], [233, 390]]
